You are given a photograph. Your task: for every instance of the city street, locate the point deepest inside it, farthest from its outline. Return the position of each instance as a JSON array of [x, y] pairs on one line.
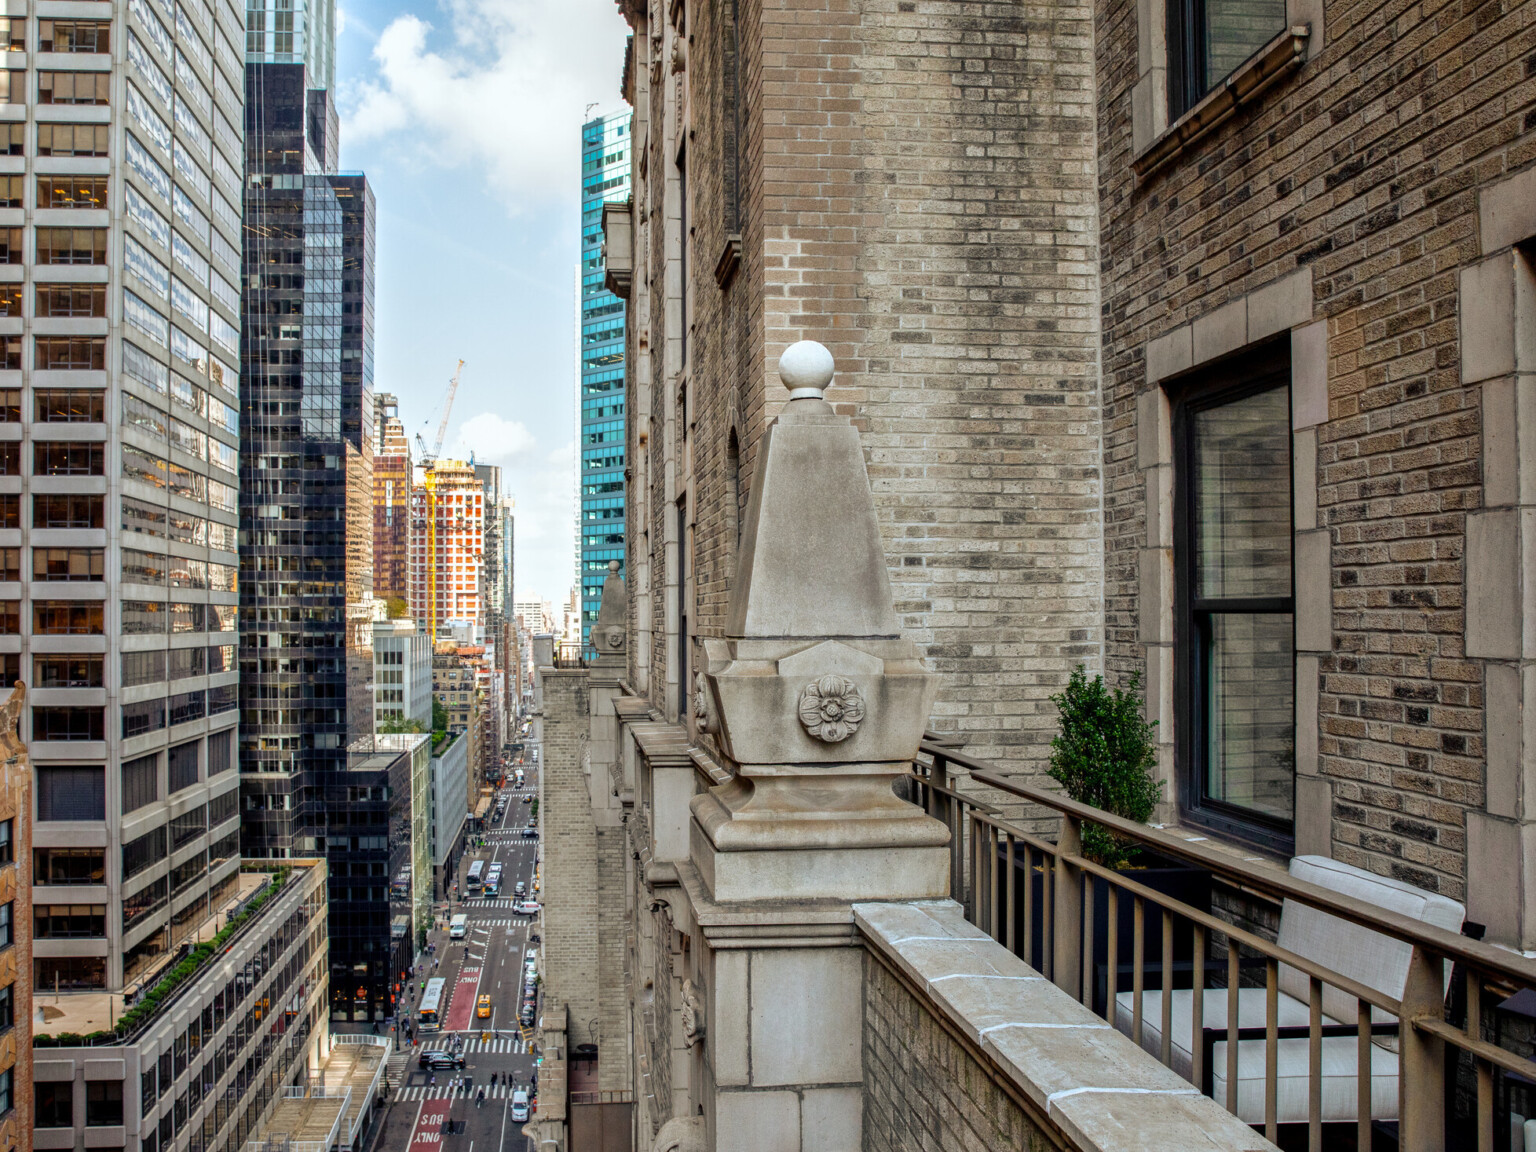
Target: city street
[[489, 961]]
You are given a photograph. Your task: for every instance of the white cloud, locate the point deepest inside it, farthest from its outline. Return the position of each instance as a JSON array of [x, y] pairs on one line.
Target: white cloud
[[504, 96], [493, 439]]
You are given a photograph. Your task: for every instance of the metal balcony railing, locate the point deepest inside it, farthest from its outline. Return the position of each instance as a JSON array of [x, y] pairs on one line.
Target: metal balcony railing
[[1207, 978]]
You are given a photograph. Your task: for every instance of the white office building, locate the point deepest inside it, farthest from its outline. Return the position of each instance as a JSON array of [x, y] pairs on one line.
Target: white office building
[[402, 672], [119, 467]]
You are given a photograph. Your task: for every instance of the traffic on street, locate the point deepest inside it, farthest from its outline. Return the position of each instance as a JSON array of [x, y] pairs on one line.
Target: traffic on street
[[465, 1071]]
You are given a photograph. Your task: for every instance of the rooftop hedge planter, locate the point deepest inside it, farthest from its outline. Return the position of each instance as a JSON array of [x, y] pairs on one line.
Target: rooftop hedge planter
[[164, 989]]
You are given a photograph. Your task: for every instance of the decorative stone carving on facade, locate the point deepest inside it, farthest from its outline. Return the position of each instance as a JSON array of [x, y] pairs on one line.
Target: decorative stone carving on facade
[[812, 633], [608, 632], [680, 1134], [10, 719], [831, 708], [692, 1014], [703, 713]]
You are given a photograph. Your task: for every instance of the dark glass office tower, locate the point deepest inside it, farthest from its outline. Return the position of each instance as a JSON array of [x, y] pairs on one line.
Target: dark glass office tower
[[307, 518]]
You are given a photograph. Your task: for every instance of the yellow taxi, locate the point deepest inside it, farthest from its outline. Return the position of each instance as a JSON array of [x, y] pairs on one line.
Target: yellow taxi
[[483, 1008]]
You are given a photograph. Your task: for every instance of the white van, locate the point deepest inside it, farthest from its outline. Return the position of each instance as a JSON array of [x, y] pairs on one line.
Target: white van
[[519, 1106], [458, 927]]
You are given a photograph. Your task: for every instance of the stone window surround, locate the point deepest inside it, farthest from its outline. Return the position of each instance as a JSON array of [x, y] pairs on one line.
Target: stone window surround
[[1284, 304], [1149, 95], [1496, 309]]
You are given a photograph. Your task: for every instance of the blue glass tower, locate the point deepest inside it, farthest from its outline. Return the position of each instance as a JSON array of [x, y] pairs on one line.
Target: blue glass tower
[[605, 157]]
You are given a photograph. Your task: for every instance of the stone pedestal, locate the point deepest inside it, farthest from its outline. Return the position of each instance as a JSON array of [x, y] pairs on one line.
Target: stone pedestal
[[817, 705]]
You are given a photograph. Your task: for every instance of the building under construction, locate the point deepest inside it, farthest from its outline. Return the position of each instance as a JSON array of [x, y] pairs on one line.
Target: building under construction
[[447, 548]]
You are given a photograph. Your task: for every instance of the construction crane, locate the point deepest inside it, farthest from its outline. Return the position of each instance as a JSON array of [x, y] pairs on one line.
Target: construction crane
[[430, 458], [429, 483]]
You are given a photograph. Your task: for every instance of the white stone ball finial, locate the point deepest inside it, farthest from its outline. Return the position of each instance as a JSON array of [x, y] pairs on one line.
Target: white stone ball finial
[[806, 370], [613, 566]]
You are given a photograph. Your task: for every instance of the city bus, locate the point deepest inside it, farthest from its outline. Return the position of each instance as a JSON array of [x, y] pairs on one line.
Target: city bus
[[493, 883], [431, 1005], [476, 872]]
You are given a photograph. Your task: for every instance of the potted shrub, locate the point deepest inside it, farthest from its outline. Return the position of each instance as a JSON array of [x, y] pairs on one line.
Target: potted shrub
[[1104, 756]]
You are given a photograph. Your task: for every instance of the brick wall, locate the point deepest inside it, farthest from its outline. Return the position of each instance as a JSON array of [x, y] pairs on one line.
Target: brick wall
[[923, 1089], [569, 843], [916, 192], [1364, 166]]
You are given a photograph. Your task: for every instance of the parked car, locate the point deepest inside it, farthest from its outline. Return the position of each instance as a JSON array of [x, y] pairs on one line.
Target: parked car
[[525, 1017], [437, 1061]]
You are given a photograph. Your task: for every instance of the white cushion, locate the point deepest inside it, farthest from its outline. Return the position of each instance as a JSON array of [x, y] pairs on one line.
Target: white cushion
[[1292, 1090], [1363, 955], [1250, 1014]]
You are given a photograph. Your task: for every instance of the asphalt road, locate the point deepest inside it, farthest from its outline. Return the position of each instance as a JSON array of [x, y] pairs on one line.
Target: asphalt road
[[488, 961]]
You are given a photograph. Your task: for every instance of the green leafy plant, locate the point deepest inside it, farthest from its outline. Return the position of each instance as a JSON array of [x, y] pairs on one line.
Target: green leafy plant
[[1104, 757], [184, 970]]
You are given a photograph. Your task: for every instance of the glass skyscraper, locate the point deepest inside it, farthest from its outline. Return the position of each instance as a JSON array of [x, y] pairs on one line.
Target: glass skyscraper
[[605, 161], [306, 513]]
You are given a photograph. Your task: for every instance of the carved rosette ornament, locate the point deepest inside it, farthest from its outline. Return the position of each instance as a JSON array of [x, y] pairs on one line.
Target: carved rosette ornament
[[831, 708]]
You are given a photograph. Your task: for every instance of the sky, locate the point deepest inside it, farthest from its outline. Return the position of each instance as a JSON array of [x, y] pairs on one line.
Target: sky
[[466, 115]]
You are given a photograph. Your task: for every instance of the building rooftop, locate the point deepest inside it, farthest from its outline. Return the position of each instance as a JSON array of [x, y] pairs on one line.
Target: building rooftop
[[59, 1014]]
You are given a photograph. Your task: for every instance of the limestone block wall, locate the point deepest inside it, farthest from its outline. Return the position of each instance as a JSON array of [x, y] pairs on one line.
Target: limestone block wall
[[568, 841], [613, 912]]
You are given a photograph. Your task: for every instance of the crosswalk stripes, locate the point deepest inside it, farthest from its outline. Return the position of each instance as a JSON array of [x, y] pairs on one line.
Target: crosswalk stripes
[[395, 1069], [443, 1091], [499, 1045]]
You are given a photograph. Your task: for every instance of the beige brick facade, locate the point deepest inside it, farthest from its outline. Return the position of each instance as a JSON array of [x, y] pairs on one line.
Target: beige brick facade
[[985, 214], [917, 194]]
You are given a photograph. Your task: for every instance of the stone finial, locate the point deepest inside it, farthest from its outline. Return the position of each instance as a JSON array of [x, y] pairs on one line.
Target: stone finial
[[806, 369], [608, 634], [812, 694]]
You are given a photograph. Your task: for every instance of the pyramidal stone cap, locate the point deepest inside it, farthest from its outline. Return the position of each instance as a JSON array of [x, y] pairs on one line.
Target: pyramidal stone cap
[[811, 562], [812, 667]]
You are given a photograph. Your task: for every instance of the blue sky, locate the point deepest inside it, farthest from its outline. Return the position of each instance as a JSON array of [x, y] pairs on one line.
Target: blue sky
[[466, 115]]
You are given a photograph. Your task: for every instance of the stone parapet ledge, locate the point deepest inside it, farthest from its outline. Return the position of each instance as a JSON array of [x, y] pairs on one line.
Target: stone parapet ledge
[[1069, 1069]]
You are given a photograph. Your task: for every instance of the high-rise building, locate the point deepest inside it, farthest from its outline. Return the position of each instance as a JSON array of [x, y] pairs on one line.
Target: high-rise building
[[307, 455], [447, 546], [391, 502], [285, 32], [402, 674], [537, 615], [605, 160], [307, 517], [117, 524]]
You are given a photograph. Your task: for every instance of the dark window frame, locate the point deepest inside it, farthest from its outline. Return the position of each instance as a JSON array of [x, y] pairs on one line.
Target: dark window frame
[[1234, 378], [1188, 52]]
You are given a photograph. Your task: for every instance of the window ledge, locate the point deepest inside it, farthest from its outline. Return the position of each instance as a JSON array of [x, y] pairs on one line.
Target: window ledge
[[1272, 63]]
